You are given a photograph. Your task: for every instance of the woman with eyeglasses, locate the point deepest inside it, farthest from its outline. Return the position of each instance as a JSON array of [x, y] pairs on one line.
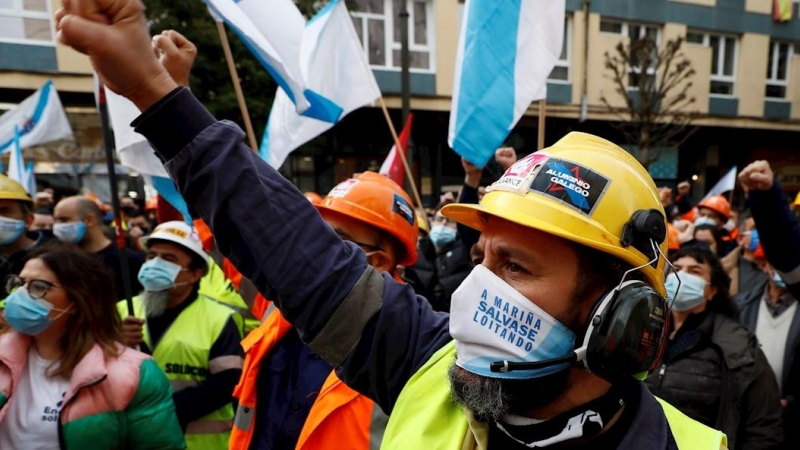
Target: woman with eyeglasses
[[713, 370], [66, 381]]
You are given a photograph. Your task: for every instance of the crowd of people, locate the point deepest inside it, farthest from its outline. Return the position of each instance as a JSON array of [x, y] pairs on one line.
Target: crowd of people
[[571, 303]]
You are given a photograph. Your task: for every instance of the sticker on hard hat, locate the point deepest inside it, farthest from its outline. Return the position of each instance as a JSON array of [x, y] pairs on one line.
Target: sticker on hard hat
[[175, 231], [343, 188], [519, 176], [570, 183], [402, 208]]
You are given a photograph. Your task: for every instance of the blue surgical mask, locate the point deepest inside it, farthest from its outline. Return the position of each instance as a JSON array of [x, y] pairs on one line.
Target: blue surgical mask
[[29, 315], [10, 230], [705, 220], [691, 293], [491, 321], [776, 278], [442, 235], [70, 233], [754, 240], [158, 274]]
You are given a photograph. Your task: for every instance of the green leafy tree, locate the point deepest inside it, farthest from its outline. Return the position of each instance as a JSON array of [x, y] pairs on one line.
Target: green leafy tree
[[210, 80]]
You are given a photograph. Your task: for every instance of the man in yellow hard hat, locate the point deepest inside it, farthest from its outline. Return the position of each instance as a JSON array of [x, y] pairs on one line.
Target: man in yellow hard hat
[[16, 218], [547, 338]]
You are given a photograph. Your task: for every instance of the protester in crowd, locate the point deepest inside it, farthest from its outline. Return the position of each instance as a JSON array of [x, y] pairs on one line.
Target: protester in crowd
[[779, 233], [16, 237], [79, 221], [42, 220], [66, 381], [546, 255], [709, 235], [741, 265], [315, 410], [193, 338], [713, 370], [715, 211]]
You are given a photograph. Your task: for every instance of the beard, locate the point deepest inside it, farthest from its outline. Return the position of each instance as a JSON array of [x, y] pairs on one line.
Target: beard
[[155, 303], [492, 398]]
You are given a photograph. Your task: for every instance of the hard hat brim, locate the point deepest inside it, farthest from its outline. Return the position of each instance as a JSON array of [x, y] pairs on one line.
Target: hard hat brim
[[476, 216], [145, 242]]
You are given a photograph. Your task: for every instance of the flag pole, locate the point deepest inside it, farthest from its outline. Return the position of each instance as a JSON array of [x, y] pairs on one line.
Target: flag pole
[[401, 151], [226, 47], [112, 179], [542, 117]]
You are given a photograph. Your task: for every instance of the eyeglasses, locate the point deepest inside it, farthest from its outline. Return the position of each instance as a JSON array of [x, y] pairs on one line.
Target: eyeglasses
[[36, 288], [368, 248]]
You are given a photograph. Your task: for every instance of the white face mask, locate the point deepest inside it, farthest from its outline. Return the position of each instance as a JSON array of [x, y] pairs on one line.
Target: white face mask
[[704, 220], [491, 321]]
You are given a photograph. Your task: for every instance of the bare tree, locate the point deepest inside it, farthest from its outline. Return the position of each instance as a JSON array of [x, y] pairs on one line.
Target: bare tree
[[654, 82]]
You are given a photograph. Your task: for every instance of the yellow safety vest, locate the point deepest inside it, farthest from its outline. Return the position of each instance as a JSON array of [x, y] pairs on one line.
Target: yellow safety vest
[[183, 355], [425, 416], [217, 286]]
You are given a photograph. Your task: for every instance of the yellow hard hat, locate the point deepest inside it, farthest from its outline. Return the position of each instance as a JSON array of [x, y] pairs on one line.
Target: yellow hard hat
[[797, 200], [11, 190], [584, 189]]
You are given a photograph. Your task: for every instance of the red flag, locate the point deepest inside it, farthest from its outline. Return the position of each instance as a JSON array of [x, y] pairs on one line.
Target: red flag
[[392, 167]]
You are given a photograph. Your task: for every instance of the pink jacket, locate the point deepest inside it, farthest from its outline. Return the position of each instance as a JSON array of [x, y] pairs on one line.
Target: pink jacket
[[125, 395]]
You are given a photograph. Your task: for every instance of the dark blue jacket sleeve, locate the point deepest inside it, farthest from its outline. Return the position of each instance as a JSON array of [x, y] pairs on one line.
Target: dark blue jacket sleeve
[[377, 330], [779, 233]]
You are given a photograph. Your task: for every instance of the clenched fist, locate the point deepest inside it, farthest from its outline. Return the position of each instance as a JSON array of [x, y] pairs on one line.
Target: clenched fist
[[757, 176], [114, 34], [176, 53]]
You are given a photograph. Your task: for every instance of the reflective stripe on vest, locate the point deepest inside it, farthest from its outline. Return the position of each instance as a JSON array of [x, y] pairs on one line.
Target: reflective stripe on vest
[[425, 416], [183, 355], [339, 418]]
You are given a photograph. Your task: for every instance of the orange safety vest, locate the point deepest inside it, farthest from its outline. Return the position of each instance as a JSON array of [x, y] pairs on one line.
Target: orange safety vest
[[340, 418]]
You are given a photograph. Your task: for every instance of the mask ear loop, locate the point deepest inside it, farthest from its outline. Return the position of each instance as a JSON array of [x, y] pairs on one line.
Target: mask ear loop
[[672, 267]]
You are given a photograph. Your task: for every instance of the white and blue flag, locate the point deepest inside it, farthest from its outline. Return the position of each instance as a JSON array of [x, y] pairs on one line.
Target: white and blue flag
[[334, 64], [506, 51], [39, 119], [273, 31]]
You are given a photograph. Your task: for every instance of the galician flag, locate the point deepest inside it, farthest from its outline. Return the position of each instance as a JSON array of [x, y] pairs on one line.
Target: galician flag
[[39, 119]]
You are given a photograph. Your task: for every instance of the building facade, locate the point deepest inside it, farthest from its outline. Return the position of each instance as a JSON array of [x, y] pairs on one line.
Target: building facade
[[746, 89]]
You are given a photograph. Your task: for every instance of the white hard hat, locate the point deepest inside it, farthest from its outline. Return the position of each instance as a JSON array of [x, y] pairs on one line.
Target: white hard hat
[[180, 233]]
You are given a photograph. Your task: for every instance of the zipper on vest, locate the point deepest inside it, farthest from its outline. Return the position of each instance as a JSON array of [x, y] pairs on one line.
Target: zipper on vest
[[661, 372], [61, 443]]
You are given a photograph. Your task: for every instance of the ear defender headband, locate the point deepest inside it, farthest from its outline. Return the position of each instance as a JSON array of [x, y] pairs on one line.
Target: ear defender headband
[[625, 332]]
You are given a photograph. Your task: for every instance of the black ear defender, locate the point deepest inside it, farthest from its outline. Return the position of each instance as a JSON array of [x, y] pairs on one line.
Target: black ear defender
[[645, 226]]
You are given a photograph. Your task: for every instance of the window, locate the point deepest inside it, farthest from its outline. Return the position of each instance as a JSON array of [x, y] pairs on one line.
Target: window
[[26, 21], [561, 69], [377, 23], [723, 60], [780, 56], [636, 32]]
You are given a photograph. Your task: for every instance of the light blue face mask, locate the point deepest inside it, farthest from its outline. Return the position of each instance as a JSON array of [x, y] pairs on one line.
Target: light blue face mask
[[28, 315], [158, 274], [754, 240], [691, 293], [10, 230], [442, 235], [70, 233], [776, 278], [704, 220]]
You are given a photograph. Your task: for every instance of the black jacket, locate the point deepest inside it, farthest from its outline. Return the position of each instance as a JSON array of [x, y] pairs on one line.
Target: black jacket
[[436, 275], [714, 372], [749, 303]]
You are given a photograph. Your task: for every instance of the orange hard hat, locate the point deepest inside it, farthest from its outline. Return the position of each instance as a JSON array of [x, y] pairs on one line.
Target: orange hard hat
[[379, 202], [718, 204], [673, 242], [313, 197], [93, 197]]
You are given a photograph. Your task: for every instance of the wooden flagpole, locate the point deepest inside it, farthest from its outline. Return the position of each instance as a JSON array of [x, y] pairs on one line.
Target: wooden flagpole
[[226, 47], [400, 152], [542, 117]]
